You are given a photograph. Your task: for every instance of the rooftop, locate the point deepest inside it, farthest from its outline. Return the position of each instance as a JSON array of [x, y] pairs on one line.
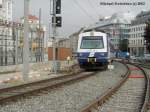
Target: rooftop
[[143, 13], [123, 18], [32, 17]]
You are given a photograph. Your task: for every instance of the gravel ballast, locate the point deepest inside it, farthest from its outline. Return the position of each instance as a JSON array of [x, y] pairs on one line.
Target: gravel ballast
[[68, 98], [129, 97]]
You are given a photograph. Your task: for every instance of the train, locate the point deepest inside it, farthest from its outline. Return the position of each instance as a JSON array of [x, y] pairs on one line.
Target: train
[[94, 51], [123, 55]]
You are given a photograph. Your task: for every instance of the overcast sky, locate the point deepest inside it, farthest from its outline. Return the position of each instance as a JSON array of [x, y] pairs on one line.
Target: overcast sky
[[77, 13]]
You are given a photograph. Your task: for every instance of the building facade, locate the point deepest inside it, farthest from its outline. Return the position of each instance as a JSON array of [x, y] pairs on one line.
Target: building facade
[[137, 29], [36, 40], [6, 10], [73, 39], [7, 42], [116, 26], [64, 43]]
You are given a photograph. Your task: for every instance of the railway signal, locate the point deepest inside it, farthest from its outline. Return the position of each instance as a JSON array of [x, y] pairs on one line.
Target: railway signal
[[58, 6], [58, 21]]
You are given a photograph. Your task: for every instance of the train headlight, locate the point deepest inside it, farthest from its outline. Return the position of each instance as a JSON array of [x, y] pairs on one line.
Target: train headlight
[[95, 60], [102, 54], [80, 54], [128, 54]]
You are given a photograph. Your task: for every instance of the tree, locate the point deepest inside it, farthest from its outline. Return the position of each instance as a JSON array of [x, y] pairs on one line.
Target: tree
[[123, 45], [147, 35]]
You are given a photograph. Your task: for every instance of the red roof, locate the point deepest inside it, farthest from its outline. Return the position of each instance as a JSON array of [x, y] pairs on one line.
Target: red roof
[[32, 17]]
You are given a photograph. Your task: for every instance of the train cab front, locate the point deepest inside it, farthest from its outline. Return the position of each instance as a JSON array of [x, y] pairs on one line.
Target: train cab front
[[87, 61]]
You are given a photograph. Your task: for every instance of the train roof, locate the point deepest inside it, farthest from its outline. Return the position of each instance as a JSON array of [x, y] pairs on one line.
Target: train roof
[[94, 30]]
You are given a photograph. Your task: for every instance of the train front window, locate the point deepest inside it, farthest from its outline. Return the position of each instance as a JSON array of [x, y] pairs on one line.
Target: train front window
[[92, 42]]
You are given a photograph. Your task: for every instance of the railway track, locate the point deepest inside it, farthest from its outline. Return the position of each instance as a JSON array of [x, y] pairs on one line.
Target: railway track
[[69, 97], [10, 93], [144, 65], [147, 68], [131, 94]]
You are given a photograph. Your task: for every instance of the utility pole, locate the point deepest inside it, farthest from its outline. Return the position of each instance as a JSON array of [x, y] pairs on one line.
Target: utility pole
[[15, 31], [40, 53], [41, 38], [26, 41]]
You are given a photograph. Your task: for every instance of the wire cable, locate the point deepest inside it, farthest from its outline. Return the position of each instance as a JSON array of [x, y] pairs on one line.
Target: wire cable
[[92, 6], [75, 1]]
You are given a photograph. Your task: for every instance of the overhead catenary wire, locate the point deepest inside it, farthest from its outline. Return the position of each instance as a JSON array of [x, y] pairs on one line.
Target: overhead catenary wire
[[92, 6], [77, 3]]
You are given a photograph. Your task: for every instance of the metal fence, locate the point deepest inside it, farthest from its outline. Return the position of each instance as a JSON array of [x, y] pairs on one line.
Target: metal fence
[[11, 43]]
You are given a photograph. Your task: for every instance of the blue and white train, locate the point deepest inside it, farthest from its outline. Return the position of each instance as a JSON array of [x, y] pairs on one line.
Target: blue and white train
[[93, 50]]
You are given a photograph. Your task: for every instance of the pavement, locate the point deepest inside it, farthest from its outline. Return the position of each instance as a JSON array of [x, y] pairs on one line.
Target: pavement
[[42, 71]]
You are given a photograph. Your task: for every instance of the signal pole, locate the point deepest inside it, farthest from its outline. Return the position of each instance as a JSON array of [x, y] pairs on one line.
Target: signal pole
[[26, 41], [54, 35], [56, 22]]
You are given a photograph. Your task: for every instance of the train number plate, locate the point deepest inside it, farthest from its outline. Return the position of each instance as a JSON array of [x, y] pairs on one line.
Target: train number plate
[[91, 59]]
